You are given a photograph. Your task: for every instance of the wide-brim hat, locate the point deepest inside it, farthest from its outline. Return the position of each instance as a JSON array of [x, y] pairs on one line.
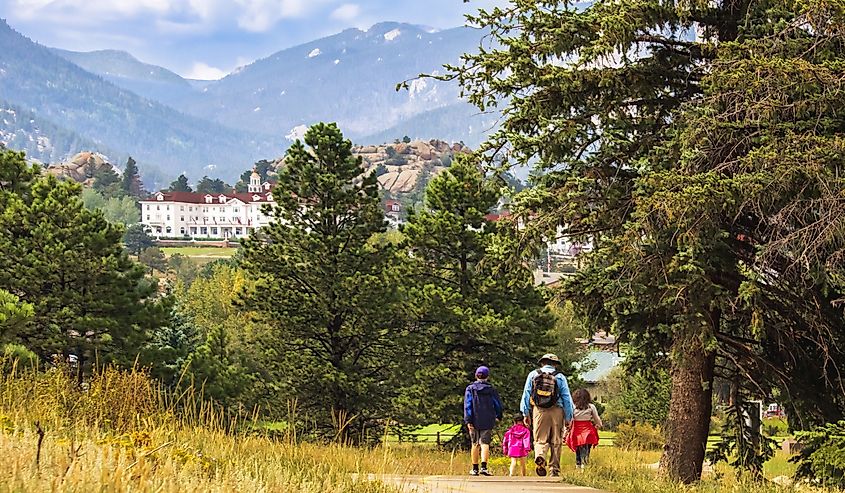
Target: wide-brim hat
[[550, 357]]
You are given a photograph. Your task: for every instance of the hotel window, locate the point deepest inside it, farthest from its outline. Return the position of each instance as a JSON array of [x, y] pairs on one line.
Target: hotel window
[[204, 231], [193, 231], [168, 207], [148, 206], [181, 207], [158, 207], [214, 231], [182, 218], [238, 231], [182, 231], [222, 219], [168, 230], [148, 217], [168, 217], [235, 210]]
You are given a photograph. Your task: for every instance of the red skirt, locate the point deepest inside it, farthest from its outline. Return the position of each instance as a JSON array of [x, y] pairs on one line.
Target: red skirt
[[582, 433]]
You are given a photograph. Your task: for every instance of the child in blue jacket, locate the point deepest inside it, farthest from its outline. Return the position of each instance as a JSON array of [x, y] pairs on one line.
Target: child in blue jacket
[[482, 409]]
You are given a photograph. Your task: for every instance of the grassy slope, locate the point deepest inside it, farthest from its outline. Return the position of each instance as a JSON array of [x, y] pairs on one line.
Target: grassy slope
[[201, 252]]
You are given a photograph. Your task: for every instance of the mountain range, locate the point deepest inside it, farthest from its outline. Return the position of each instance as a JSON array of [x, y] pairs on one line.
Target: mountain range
[[64, 102]]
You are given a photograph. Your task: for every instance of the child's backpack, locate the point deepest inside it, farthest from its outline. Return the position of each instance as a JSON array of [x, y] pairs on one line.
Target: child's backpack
[[545, 389]]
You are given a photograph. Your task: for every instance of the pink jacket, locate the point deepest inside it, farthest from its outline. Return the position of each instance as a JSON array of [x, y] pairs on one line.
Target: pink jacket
[[517, 441]]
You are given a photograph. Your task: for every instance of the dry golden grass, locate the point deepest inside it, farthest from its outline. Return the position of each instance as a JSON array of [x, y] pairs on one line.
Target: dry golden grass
[[123, 434]]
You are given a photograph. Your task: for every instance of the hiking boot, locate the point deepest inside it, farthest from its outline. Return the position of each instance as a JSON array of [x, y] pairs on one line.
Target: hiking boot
[[541, 465], [485, 472], [473, 472]]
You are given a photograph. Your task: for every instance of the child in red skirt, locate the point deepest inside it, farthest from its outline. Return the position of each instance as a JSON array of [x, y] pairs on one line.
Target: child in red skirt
[[583, 433]]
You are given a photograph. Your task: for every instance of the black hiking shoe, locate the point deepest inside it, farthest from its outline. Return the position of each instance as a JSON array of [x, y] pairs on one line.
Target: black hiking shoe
[[541, 466]]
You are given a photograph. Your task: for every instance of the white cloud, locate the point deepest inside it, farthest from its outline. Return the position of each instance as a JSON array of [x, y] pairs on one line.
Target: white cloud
[[261, 15], [346, 12], [202, 71], [28, 9]]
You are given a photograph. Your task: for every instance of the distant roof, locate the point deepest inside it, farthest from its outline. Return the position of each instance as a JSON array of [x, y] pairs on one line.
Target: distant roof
[[493, 217], [199, 198], [602, 363]]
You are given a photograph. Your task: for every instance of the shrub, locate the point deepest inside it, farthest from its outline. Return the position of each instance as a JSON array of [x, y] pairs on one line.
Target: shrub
[[638, 437], [822, 456]]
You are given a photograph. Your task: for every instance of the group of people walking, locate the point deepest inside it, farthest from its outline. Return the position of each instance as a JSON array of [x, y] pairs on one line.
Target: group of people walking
[[548, 413]]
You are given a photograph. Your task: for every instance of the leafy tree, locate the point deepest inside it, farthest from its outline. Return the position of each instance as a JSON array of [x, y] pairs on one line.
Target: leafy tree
[[406, 139], [334, 299], [123, 210], [67, 262], [153, 258], [136, 239], [235, 361], [478, 297], [180, 185], [185, 269], [131, 183], [604, 127], [215, 186]]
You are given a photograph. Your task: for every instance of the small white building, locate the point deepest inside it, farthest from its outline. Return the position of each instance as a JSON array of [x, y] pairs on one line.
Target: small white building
[[189, 215]]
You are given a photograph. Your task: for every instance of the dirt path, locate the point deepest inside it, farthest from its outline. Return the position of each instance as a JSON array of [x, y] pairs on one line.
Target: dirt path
[[503, 484]]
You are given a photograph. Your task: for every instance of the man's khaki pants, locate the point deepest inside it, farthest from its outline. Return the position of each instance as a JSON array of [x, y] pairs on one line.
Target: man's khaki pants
[[548, 435]]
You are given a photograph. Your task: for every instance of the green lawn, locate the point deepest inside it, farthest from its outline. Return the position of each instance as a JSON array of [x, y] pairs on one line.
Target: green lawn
[[202, 252]]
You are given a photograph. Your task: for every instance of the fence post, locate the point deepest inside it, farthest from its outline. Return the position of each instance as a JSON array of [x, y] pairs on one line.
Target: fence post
[[438, 439]]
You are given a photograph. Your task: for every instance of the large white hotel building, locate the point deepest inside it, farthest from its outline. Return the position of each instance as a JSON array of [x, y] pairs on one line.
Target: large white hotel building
[[185, 215]]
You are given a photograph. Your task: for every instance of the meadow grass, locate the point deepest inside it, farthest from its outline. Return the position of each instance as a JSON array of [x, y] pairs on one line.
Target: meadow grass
[[202, 252], [121, 433], [627, 471]]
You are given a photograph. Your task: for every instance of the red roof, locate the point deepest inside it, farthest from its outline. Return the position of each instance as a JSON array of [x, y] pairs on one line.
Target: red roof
[[492, 217], [199, 198]]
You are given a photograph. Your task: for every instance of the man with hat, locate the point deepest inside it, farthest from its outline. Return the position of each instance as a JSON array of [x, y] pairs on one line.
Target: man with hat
[[546, 398], [482, 409]]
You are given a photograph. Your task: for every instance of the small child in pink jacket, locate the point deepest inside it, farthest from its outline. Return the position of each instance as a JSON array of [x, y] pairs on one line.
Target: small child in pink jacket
[[517, 444]]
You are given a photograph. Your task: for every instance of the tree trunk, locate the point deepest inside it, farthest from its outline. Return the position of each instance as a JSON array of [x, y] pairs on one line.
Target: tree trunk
[[689, 410]]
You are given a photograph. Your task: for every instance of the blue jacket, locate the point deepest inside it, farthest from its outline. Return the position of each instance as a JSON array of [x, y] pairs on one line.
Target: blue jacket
[[482, 405], [564, 399]]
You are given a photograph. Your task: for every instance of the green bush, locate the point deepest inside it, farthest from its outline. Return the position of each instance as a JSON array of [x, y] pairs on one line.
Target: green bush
[[641, 436], [822, 457]]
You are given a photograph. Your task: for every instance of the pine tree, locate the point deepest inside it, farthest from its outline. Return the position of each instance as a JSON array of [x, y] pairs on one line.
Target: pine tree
[[107, 182], [136, 239], [207, 185], [180, 185], [68, 263], [592, 97], [477, 295], [333, 296], [132, 184]]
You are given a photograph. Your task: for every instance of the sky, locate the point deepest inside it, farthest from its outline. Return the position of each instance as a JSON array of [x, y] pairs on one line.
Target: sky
[[206, 39]]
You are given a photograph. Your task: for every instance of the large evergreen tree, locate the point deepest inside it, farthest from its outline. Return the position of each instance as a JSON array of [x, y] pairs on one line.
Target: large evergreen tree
[[334, 296], [477, 296], [180, 185], [137, 240], [131, 183], [69, 264], [593, 95]]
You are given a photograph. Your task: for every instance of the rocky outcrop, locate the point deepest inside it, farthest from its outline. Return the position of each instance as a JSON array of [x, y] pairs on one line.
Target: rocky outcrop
[[404, 168], [80, 168]]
